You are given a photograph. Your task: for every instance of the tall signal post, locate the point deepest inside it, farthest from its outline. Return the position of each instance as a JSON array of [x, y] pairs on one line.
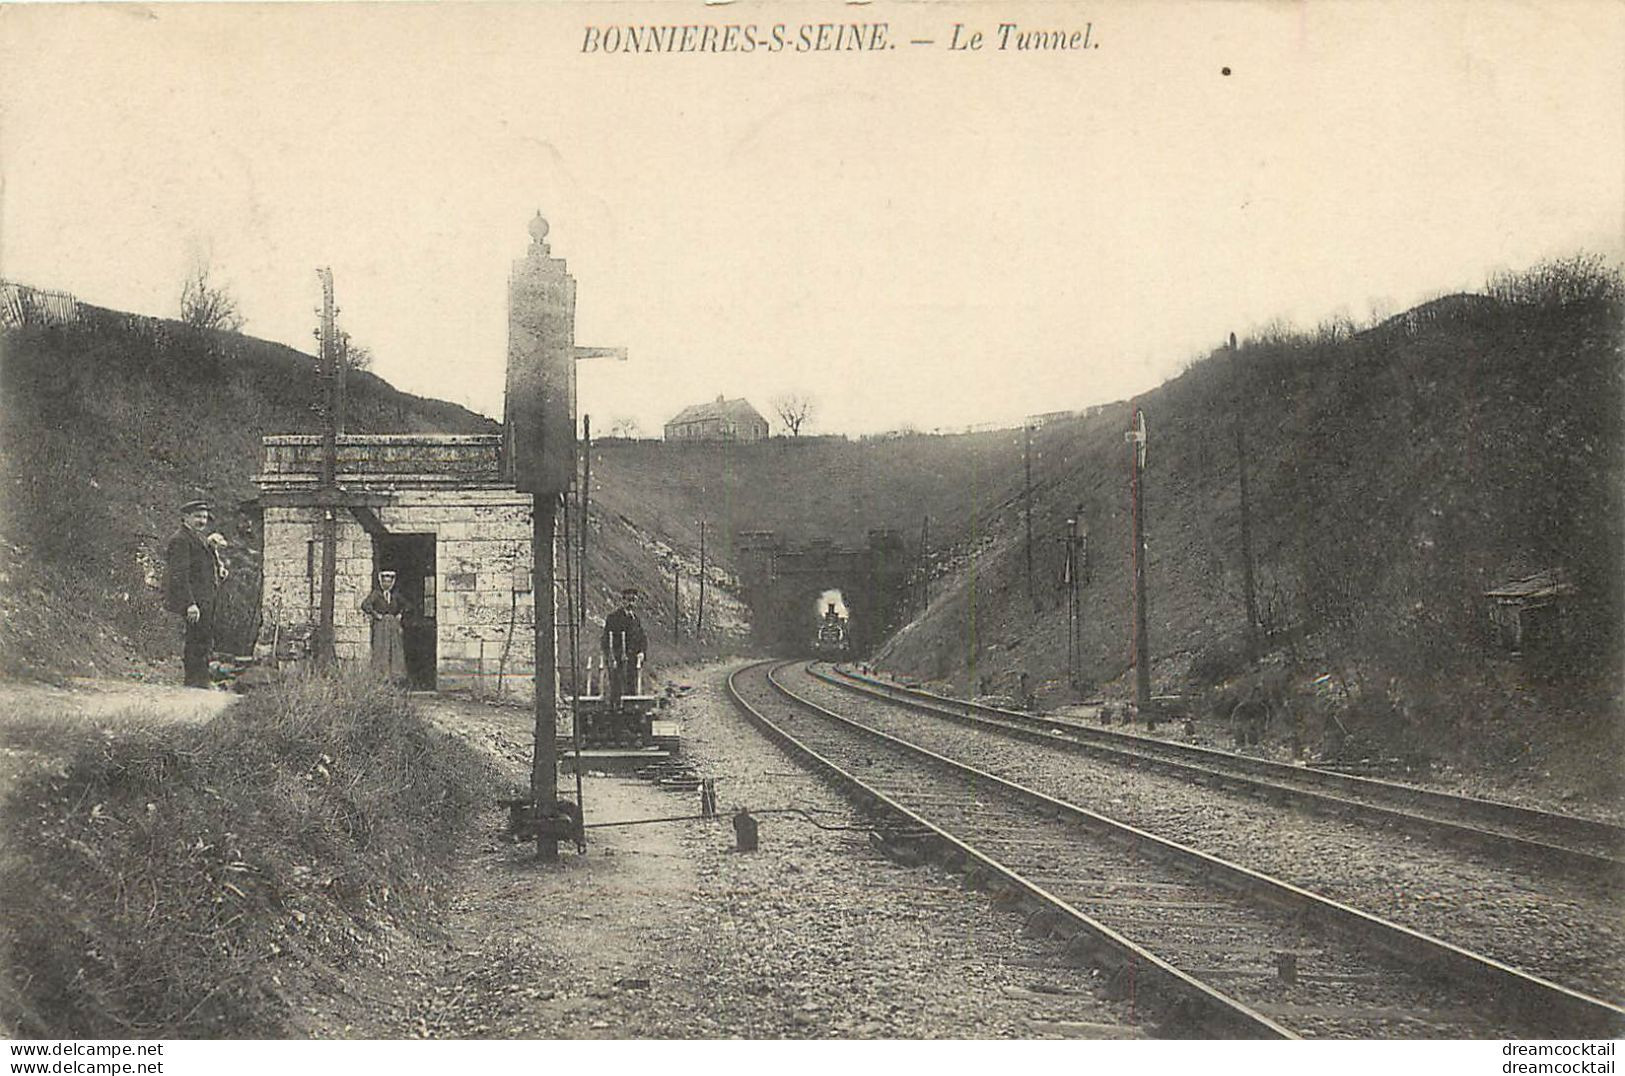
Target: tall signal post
[[1136, 439], [539, 452], [1077, 573]]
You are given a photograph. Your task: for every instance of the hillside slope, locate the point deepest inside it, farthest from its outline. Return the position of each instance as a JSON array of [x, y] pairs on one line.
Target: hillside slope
[[1394, 474], [805, 488], [113, 420], [649, 499]]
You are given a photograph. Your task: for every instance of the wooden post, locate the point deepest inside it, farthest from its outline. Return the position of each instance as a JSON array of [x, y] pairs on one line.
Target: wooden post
[[342, 377], [326, 651], [1142, 646], [1073, 628], [925, 562], [699, 617], [544, 771], [676, 602]]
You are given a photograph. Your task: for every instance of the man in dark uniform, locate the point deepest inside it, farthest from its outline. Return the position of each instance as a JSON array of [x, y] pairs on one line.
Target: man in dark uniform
[[193, 574], [623, 644]]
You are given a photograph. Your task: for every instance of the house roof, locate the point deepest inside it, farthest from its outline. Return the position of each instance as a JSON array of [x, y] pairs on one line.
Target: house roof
[[736, 411]]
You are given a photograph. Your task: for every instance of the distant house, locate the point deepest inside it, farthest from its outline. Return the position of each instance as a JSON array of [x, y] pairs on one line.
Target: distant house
[[719, 420]]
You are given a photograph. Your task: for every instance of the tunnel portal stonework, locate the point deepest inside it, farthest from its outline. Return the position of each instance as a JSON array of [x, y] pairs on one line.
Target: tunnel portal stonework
[[782, 584]]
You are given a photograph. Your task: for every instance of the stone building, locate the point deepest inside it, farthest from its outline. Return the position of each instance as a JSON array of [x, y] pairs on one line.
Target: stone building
[[452, 515], [438, 511], [723, 420]]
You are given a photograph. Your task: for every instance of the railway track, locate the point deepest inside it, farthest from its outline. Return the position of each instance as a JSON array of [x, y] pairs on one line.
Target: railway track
[[1549, 839], [1216, 949]]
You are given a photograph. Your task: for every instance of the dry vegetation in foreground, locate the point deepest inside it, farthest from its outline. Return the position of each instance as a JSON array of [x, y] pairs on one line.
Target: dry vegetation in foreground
[[191, 880]]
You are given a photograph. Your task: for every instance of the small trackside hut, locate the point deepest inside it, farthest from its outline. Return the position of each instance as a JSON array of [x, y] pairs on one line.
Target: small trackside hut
[[471, 526], [436, 510]]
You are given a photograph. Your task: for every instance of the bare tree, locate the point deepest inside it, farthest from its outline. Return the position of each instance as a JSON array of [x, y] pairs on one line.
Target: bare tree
[[356, 356], [795, 409], [625, 426], [1335, 328], [208, 306]]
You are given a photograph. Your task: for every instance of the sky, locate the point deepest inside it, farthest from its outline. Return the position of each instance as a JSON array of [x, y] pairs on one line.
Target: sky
[[914, 236]]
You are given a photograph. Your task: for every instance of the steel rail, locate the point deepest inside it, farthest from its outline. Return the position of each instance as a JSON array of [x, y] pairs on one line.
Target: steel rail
[[1280, 781], [1194, 1004], [1546, 1008]]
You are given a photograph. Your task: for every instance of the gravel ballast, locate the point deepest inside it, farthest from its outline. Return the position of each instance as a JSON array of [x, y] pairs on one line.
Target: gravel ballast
[[1556, 925]]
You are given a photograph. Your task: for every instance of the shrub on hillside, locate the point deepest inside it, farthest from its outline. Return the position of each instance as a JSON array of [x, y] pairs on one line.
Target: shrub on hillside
[[1558, 282], [175, 880]]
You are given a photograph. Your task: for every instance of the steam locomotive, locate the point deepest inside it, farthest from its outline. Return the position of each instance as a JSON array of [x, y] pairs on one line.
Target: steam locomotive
[[831, 638]]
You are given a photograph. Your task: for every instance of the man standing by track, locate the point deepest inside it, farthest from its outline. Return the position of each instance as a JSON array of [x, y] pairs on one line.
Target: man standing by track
[[623, 643], [193, 572]]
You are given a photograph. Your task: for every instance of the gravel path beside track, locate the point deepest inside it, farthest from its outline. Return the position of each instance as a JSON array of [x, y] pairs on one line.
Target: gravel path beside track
[[663, 931], [1561, 928]]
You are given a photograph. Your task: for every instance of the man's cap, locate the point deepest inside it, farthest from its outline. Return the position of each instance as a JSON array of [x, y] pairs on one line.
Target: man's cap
[[194, 506]]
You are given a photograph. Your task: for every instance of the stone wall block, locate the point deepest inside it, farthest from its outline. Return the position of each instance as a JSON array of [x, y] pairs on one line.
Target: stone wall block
[[495, 531], [491, 614]]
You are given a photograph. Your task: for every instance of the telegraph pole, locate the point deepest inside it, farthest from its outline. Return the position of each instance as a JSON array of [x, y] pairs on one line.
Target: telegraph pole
[[699, 617], [342, 373], [325, 651], [1027, 498], [1142, 647], [676, 601], [1249, 591], [925, 562]]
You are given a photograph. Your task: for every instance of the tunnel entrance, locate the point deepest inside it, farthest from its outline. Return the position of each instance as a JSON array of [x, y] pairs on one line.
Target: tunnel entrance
[[790, 588]]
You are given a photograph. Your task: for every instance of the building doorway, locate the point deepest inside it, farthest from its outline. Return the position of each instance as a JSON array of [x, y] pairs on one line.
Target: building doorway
[[411, 558]]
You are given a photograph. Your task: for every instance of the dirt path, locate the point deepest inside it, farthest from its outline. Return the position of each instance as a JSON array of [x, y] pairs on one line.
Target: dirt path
[[663, 931], [35, 718]]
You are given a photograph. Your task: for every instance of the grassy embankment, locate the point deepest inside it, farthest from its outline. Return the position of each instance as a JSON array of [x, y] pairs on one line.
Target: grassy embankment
[[1395, 475], [203, 880], [111, 422]]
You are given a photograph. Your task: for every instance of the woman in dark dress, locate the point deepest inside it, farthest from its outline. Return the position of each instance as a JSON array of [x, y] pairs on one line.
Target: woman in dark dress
[[386, 607]]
